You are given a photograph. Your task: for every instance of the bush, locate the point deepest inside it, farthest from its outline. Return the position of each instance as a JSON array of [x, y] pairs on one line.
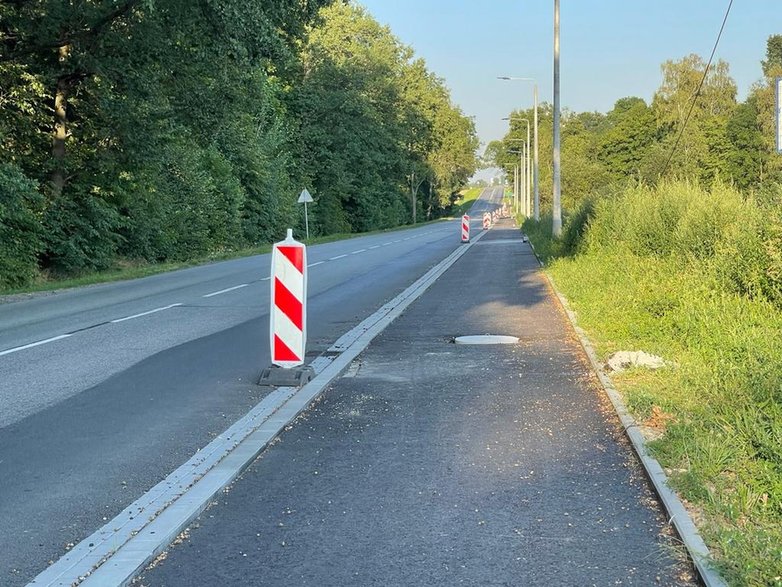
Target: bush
[[20, 228], [695, 276], [81, 233]]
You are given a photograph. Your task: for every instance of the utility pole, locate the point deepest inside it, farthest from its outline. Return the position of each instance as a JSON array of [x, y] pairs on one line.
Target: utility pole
[[556, 227], [535, 170]]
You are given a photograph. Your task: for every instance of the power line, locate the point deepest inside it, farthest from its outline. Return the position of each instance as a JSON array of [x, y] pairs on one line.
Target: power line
[[698, 91]]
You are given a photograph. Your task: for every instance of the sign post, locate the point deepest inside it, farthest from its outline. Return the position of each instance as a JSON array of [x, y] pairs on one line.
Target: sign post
[[305, 198]]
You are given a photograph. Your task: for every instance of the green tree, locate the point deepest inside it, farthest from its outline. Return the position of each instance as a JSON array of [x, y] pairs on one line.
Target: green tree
[[629, 133], [701, 149]]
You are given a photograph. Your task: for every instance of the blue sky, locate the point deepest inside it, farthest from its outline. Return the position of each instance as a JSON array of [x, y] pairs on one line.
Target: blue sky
[[609, 48]]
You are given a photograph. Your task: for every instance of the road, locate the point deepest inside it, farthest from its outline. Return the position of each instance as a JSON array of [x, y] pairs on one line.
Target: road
[[107, 389], [433, 463]]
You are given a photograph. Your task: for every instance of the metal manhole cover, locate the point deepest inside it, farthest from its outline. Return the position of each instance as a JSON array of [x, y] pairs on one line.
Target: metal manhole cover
[[486, 339]]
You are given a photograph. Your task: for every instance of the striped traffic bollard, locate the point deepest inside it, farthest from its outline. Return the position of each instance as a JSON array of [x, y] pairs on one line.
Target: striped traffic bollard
[[486, 220], [288, 323], [465, 229]]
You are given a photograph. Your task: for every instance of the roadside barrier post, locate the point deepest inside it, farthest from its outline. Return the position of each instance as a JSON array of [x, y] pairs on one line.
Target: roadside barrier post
[[288, 315], [486, 220], [465, 229]]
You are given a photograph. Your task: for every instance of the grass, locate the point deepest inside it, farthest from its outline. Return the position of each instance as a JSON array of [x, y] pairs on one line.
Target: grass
[[465, 202], [125, 269], [718, 408]]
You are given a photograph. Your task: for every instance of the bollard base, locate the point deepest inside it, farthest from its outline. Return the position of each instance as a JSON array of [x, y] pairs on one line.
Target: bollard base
[[275, 376]]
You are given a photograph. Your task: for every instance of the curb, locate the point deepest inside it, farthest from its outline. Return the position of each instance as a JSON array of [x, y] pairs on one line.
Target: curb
[[684, 524], [114, 554]]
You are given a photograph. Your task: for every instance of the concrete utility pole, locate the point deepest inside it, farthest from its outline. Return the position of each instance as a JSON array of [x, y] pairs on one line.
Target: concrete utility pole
[[556, 227], [535, 171], [536, 205], [523, 170], [527, 174]]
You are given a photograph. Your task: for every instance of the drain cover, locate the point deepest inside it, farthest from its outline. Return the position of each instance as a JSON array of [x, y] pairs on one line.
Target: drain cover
[[486, 339]]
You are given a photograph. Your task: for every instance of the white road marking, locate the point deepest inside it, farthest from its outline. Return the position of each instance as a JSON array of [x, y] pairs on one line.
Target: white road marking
[[33, 344], [358, 251], [375, 247], [226, 290], [316, 263], [113, 554], [145, 313], [388, 243], [337, 257], [266, 278]]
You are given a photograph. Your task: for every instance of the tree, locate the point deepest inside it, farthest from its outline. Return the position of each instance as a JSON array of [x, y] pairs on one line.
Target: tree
[[700, 150]]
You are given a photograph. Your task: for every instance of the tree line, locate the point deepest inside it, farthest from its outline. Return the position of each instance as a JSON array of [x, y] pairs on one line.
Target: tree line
[[724, 139], [163, 130]]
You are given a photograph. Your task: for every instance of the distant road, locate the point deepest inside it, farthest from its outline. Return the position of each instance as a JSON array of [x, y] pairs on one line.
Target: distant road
[[104, 390]]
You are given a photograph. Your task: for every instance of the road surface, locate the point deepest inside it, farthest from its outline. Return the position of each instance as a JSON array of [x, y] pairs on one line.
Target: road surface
[[106, 389]]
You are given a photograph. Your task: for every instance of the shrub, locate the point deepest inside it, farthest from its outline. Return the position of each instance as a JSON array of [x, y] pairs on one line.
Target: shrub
[[20, 228]]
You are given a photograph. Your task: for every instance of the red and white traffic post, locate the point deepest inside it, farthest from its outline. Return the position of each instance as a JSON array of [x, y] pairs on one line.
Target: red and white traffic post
[[288, 315], [465, 229], [486, 220]]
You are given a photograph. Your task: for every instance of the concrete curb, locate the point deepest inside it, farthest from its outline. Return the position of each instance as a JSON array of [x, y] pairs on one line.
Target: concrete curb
[[681, 519], [123, 547]]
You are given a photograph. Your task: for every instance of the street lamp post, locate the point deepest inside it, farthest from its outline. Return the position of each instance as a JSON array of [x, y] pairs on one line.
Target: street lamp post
[[527, 175], [556, 206], [535, 172], [524, 165]]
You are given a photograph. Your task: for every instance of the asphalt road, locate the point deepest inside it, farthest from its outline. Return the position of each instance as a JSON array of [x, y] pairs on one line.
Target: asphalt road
[[434, 463], [105, 390]]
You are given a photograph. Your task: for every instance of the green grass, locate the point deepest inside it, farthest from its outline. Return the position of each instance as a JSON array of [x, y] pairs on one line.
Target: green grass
[[721, 399], [131, 269], [466, 200]]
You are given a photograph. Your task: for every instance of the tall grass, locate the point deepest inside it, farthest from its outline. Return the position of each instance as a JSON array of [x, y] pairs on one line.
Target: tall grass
[[693, 275]]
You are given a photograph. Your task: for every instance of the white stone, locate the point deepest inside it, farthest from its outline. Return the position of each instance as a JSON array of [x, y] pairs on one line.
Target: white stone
[[625, 359]]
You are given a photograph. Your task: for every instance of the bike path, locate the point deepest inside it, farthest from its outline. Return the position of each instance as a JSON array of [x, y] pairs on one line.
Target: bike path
[[434, 463]]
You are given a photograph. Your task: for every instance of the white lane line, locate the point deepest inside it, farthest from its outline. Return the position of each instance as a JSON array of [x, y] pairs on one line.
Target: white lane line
[[358, 251], [375, 247], [388, 243], [113, 554], [226, 290], [315, 263], [337, 257], [266, 278], [145, 313], [33, 344]]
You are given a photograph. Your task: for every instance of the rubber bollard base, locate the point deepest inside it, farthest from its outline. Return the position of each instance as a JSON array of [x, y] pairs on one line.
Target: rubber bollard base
[[275, 376]]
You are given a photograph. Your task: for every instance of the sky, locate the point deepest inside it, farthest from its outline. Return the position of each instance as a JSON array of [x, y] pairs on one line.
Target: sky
[[609, 49]]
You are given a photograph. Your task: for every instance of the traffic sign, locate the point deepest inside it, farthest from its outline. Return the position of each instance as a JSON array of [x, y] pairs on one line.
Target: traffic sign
[[305, 198]]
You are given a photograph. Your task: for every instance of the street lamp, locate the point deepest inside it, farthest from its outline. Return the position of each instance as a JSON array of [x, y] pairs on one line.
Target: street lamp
[[556, 207], [516, 177], [535, 124], [527, 190], [524, 169]]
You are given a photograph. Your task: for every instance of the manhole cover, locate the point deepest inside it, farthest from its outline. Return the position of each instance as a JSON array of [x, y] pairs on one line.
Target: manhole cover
[[486, 339]]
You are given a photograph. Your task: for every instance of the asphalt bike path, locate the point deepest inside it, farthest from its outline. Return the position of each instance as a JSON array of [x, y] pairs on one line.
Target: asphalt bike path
[[435, 463]]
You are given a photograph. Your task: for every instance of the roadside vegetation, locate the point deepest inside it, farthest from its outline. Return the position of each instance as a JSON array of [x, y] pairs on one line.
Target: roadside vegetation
[[135, 133], [466, 200], [687, 265]]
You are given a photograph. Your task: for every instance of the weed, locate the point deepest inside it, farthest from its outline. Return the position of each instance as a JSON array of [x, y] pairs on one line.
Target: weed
[[694, 276]]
